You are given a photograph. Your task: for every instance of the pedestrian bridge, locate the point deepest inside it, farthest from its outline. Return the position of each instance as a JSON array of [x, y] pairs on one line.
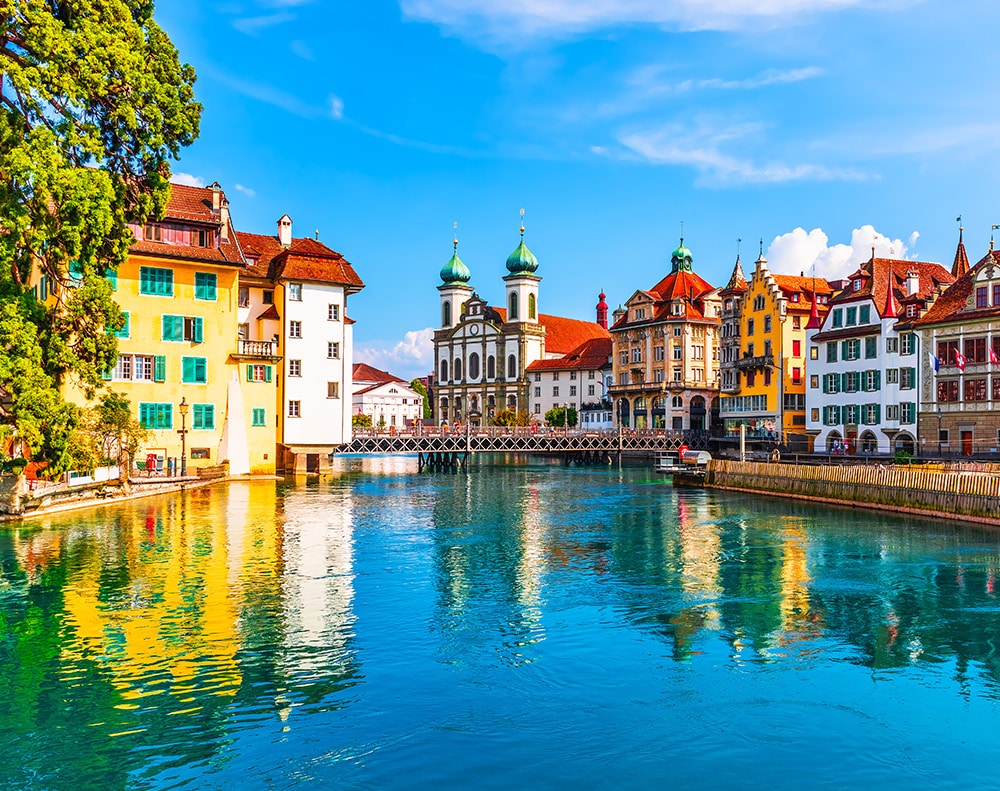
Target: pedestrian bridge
[[450, 447]]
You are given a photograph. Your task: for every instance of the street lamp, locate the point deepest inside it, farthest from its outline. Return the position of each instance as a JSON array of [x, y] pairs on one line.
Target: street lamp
[[939, 431], [183, 409]]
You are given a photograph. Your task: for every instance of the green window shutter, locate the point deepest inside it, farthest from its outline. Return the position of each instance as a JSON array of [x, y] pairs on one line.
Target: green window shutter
[[205, 286], [826, 383], [106, 375], [843, 349], [259, 416], [209, 416], [187, 369], [878, 380], [826, 415], [166, 416], [878, 414], [124, 331], [201, 369], [159, 368], [112, 278], [145, 280], [172, 328], [913, 377], [199, 330], [267, 373], [194, 370], [144, 415], [249, 373]]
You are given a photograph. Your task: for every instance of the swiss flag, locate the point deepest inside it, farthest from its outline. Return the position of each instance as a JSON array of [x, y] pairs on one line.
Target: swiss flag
[[994, 360], [960, 360]]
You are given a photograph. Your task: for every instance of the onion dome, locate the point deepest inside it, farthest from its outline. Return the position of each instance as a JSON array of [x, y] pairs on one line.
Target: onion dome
[[522, 260], [681, 259], [455, 271]]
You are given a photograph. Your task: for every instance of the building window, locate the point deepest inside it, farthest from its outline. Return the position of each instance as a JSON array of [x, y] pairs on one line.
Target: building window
[[678, 331], [445, 314], [268, 298], [294, 409], [975, 389], [295, 367], [456, 368], [512, 367], [758, 302], [123, 332], [892, 411], [259, 373], [244, 297], [892, 376], [333, 350], [538, 392], [831, 352], [512, 306], [444, 370], [838, 318], [555, 392], [907, 378], [156, 416], [678, 352], [767, 324], [750, 326], [796, 376], [814, 352], [182, 328], [555, 376], [907, 412], [203, 417], [658, 353], [637, 355], [474, 366], [590, 388], [333, 312], [333, 390], [295, 329], [259, 416], [194, 370], [243, 331], [891, 345], [852, 315], [572, 390], [981, 297], [947, 391], [155, 281], [205, 286], [814, 381], [871, 347], [864, 314], [796, 348], [295, 292], [532, 300]]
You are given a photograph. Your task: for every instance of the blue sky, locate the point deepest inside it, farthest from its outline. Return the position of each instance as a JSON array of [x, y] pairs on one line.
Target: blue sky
[[814, 125]]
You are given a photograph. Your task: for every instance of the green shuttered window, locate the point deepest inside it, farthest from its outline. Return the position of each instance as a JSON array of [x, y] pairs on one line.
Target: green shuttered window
[[156, 281], [205, 286], [156, 416], [259, 416], [194, 370], [203, 416]]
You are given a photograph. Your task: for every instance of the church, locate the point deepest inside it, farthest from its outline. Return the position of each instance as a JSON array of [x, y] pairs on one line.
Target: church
[[481, 352]]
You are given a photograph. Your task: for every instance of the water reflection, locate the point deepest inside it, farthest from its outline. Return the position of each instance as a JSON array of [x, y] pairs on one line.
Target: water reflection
[[235, 629]]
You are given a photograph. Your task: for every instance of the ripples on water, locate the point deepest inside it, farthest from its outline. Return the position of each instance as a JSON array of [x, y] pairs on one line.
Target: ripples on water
[[514, 625]]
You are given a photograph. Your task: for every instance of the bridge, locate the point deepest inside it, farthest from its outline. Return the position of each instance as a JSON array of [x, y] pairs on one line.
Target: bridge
[[441, 447]]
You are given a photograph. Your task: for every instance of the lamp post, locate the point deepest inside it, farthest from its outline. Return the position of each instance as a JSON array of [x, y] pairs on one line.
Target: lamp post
[[183, 409], [939, 431]]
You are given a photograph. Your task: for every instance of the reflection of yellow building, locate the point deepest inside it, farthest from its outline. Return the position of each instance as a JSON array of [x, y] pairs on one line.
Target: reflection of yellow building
[[797, 616], [768, 392]]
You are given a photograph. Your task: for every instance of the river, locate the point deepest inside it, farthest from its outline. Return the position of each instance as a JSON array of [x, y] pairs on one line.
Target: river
[[515, 625]]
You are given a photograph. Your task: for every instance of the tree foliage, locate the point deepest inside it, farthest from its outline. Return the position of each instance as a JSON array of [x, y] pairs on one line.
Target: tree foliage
[[361, 421], [510, 417], [94, 103], [114, 432], [560, 416], [418, 387]]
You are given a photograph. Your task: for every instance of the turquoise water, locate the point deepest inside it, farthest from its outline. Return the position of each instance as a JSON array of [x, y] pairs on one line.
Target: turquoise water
[[524, 625]]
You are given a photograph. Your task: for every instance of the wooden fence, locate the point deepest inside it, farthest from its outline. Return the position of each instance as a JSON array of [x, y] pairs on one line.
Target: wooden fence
[[963, 493]]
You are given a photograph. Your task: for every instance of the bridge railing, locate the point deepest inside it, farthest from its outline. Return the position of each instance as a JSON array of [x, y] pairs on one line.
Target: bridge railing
[[505, 431]]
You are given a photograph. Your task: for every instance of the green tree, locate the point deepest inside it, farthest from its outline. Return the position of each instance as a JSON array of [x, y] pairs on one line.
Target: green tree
[[361, 421], [418, 386], [509, 417], [560, 416], [114, 431], [94, 103]]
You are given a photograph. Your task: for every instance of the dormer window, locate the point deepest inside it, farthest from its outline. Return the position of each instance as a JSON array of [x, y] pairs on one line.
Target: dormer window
[[911, 311], [640, 313], [857, 283], [153, 232], [795, 297], [677, 308]]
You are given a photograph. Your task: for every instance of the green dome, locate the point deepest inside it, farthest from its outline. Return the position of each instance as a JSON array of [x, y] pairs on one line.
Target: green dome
[[522, 260], [681, 259], [455, 271]]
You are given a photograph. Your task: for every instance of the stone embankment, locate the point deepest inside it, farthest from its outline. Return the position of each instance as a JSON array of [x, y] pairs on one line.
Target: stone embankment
[[21, 498], [969, 492]]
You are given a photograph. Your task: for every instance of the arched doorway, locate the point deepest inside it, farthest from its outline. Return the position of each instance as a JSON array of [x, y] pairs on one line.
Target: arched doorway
[[624, 412], [868, 443], [905, 443], [834, 442]]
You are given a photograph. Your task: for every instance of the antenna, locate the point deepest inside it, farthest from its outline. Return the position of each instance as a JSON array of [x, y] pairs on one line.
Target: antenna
[[991, 234], [738, 243]]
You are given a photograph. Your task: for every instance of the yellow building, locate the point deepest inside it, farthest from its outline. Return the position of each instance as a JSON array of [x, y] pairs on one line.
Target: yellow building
[[204, 399], [768, 394]]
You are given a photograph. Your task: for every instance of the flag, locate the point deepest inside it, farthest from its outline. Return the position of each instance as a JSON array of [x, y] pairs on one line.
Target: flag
[[994, 360], [960, 361], [934, 362]]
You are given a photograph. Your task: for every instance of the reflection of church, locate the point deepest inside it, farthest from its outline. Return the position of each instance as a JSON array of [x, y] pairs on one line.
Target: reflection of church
[[481, 352]]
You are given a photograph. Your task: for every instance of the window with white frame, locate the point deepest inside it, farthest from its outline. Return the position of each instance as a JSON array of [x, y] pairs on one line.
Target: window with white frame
[[295, 367], [294, 409], [295, 329], [333, 350], [295, 292], [333, 312]]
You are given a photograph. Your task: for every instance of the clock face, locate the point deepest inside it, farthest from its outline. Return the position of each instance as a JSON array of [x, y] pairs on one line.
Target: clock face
[[474, 329]]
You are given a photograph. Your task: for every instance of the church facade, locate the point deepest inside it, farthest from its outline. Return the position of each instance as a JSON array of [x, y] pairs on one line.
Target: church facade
[[481, 352]]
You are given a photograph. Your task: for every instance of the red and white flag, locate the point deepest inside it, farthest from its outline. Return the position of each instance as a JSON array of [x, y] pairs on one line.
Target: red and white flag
[[994, 360], [960, 361]]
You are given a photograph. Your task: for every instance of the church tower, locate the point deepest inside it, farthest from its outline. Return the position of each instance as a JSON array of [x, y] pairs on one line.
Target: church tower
[[455, 289], [522, 283]]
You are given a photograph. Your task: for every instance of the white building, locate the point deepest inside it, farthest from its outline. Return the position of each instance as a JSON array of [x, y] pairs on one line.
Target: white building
[[302, 287], [388, 400], [577, 380], [862, 391]]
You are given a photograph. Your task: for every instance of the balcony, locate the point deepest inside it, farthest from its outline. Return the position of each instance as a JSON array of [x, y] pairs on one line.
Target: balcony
[[758, 363], [258, 350]]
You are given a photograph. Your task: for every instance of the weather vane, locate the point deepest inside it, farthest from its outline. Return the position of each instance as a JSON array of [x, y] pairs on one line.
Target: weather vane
[[455, 239], [522, 225]]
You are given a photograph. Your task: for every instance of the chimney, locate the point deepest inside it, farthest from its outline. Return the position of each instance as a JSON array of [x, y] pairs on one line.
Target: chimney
[[216, 195], [285, 230], [224, 219], [912, 282], [602, 311]]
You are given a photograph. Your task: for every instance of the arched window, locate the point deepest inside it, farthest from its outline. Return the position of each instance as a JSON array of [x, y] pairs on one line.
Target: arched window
[[474, 366], [456, 368], [474, 404], [512, 402], [444, 370], [531, 306], [446, 314], [512, 367], [491, 367], [512, 306], [677, 402], [444, 408]]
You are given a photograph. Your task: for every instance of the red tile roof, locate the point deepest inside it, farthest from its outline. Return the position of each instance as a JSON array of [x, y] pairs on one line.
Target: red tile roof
[[563, 335], [194, 205], [951, 305], [362, 372], [592, 354], [882, 276], [306, 259]]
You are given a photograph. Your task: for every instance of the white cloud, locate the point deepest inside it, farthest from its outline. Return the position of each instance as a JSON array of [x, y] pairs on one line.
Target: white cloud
[[245, 190], [253, 25], [799, 251], [518, 19], [336, 107], [701, 149], [187, 180], [411, 357]]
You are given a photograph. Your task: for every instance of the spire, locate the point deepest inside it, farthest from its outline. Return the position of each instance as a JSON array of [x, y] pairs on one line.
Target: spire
[[890, 312], [814, 322], [602, 310], [737, 280], [961, 265]]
